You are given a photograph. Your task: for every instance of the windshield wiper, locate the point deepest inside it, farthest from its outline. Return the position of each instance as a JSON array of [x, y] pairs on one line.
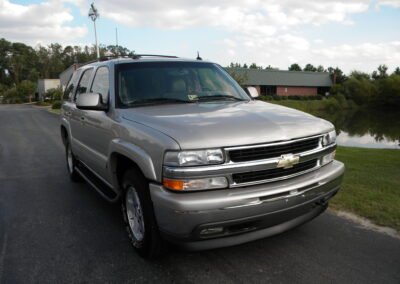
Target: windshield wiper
[[219, 97], [154, 101]]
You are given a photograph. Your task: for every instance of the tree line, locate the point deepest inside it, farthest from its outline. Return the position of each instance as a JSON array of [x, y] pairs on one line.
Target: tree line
[[379, 88], [22, 65]]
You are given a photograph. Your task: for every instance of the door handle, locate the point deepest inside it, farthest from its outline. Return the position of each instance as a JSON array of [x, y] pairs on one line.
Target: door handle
[[82, 118]]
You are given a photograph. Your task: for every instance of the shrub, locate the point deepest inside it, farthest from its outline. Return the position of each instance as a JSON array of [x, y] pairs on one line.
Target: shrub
[[56, 105], [54, 94], [332, 104]]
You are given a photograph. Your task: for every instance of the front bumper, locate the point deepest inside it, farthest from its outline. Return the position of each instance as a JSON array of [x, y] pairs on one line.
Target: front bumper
[[246, 213]]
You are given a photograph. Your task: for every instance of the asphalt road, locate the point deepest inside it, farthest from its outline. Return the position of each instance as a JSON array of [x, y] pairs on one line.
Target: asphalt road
[[52, 230]]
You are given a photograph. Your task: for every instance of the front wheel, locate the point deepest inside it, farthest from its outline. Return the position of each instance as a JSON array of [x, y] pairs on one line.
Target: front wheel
[[138, 214], [71, 164]]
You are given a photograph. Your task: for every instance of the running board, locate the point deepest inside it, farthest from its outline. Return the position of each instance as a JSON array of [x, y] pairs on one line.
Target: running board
[[103, 189]]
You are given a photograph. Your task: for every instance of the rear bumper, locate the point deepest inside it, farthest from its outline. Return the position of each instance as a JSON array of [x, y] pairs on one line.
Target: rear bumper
[[205, 220]]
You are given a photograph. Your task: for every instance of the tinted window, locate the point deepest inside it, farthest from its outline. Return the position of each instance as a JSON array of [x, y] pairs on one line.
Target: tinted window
[[83, 85], [139, 83], [70, 86], [100, 83]]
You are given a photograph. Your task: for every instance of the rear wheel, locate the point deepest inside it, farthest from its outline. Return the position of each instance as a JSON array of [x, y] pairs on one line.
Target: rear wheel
[[71, 163], [138, 214]]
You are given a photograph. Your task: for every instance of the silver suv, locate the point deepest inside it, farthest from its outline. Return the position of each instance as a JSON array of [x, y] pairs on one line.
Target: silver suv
[[192, 157]]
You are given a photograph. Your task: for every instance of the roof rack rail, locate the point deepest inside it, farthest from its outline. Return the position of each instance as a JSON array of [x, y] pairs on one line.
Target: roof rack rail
[[137, 56]]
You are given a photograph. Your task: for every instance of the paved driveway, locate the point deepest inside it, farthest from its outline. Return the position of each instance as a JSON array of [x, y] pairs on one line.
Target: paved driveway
[[52, 230]]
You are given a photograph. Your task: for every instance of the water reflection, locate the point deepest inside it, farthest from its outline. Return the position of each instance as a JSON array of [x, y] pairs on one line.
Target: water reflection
[[366, 128]]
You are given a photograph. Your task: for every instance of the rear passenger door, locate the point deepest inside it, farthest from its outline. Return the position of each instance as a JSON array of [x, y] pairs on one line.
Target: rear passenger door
[[77, 122]]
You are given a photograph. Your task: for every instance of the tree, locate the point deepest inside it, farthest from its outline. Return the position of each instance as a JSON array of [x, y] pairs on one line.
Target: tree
[[269, 67], [294, 67], [309, 67], [359, 75], [245, 66], [359, 88], [396, 71], [337, 74], [255, 66], [240, 78], [389, 91], [26, 90], [381, 73], [320, 68]]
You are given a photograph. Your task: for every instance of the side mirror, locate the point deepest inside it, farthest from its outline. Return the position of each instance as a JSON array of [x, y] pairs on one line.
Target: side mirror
[[90, 101], [253, 92]]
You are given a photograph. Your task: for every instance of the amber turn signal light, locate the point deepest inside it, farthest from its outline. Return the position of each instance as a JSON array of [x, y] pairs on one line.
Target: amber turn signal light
[[173, 184]]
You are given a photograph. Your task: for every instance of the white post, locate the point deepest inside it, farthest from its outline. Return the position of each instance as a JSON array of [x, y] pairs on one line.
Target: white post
[[95, 35]]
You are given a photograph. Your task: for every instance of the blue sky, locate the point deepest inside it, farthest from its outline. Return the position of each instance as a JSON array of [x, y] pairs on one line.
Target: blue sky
[[351, 34]]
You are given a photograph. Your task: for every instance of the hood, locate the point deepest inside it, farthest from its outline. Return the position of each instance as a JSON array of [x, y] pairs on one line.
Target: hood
[[224, 124]]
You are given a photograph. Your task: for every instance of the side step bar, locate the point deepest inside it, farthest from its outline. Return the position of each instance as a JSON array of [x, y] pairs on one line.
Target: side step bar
[[103, 189]]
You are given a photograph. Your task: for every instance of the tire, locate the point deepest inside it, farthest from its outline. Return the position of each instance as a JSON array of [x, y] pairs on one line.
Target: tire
[[138, 213], [71, 163]]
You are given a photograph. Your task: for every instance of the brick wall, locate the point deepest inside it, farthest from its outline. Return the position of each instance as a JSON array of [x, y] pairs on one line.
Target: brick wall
[[296, 91]]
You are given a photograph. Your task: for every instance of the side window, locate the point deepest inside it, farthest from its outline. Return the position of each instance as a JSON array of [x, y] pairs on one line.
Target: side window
[[101, 83], [68, 92], [83, 85]]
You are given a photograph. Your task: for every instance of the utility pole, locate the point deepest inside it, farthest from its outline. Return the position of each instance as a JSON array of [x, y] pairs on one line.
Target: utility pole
[[94, 14], [116, 41]]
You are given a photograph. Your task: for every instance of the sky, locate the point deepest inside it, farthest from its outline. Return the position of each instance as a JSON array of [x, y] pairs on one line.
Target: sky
[[351, 34]]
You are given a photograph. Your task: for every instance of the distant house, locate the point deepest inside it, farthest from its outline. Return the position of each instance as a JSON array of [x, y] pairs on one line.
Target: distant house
[[44, 85], [285, 83], [67, 74]]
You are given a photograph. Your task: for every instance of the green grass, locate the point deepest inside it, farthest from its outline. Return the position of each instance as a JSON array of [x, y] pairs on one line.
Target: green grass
[[56, 111], [371, 186], [43, 104], [313, 106], [307, 106]]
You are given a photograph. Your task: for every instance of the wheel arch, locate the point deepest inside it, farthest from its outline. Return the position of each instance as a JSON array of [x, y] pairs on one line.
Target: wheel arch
[[125, 155]]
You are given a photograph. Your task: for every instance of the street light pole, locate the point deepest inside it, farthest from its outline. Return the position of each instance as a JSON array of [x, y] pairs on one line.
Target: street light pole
[[94, 14]]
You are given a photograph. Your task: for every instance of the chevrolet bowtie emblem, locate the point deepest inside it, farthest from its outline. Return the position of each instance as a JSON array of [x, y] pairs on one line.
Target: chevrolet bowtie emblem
[[288, 161]]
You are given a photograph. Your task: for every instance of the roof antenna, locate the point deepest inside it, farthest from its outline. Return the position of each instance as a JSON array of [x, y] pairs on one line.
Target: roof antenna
[[198, 56]]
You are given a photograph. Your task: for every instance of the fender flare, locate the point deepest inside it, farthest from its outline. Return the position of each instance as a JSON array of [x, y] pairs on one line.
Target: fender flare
[[134, 153]]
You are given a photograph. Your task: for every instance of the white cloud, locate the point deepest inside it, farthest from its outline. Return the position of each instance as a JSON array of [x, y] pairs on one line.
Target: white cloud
[[262, 31], [246, 16], [392, 3], [38, 23]]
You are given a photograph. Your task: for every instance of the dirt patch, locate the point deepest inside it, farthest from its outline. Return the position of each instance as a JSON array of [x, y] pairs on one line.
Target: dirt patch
[[367, 224]]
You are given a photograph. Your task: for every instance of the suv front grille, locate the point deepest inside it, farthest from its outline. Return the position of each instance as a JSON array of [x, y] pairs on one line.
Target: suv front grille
[[266, 152], [273, 173]]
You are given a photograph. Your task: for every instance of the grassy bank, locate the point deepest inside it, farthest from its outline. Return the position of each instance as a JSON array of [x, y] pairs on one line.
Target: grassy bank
[[314, 105], [371, 187]]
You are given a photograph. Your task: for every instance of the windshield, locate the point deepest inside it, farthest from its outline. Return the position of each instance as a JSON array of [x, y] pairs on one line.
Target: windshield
[[148, 83]]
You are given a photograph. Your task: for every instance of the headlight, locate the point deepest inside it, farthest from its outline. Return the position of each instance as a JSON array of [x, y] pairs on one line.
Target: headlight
[[329, 138], [195, 184], [194, 158]]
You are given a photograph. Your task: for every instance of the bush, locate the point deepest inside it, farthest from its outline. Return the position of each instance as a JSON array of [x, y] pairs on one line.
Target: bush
[[266, 98], [54, 94], [332, 104], [341, 100], [56, 105]]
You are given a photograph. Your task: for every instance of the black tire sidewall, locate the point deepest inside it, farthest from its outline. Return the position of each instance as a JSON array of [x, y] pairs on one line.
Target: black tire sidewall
[[150, 246], [74, 175]]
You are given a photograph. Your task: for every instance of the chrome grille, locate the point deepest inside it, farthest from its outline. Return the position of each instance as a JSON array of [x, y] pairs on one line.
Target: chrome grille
[[273, 173], [273, 151]]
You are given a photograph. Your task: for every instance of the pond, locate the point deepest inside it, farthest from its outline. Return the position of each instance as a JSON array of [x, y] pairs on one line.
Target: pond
[[366, 128]]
